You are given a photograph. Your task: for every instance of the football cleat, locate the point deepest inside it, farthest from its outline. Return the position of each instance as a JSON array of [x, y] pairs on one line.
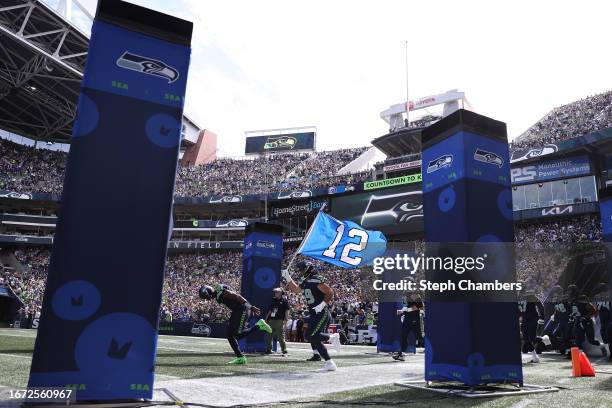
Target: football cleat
[[398, 357], [315, 357], [329, 366], [263, 326], [534, 357], [238, 361]]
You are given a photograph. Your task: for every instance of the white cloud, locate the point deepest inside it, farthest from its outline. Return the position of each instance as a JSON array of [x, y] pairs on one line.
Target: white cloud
[[338, 64]]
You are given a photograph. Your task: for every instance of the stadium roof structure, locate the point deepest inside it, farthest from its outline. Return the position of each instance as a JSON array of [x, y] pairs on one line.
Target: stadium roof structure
[[400, 143], [42, 59]]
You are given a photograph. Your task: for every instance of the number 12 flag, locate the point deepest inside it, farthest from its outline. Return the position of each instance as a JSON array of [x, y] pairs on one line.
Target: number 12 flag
[[342, 243]]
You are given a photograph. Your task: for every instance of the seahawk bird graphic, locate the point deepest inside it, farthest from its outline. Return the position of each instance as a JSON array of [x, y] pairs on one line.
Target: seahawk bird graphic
[[147, 66]]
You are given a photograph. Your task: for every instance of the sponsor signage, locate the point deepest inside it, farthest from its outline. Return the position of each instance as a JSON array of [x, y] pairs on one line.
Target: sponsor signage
[[280, 143], [206, 329], [239, 223], [551, 169], [196, 246], [556, 211], [403, 166], [392, 182], [25, 240], [296, 208]]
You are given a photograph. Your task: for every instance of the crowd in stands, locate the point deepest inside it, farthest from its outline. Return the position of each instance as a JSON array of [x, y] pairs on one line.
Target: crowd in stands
[[28, 170], [25, 169], [29, 282], [544, 249], [568, 121], [185, 274], [575, 229]]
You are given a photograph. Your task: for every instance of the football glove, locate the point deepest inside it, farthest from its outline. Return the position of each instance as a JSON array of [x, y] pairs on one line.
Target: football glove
[[319, 308]]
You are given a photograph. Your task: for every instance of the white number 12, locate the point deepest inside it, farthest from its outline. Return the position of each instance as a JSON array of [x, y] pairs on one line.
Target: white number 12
[[351, 246]]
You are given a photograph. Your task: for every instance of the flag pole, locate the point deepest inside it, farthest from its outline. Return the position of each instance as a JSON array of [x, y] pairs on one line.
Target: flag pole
[[305, 237]]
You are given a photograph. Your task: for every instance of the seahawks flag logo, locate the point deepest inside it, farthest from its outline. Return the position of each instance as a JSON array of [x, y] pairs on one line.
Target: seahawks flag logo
[[147, 66]]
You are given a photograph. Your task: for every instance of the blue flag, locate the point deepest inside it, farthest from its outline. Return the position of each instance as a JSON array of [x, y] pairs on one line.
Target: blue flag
[[342, 243]]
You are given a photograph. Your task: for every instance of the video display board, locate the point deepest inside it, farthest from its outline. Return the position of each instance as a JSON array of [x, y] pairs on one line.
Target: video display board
[[394, 210], [286, 142]]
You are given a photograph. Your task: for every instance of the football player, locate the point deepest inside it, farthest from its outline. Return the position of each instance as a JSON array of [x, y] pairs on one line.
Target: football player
[[410, 316], [531, 313], [561, 319], [602, 303], [583, 314], [317, 295], [241, 312]]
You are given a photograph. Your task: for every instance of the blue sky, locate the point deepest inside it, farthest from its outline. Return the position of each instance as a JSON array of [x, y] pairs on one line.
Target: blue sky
[[337, 64]]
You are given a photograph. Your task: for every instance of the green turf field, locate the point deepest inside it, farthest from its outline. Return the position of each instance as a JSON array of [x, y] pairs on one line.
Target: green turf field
[[195, 369]]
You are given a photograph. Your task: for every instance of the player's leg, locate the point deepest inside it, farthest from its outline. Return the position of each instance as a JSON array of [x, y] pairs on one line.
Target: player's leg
[[315, 353], [318, 335], [244, 331], [609, 335], [269, 339], [589, 330], [532, 328], [399, 356], [280, 334], [236, 320]]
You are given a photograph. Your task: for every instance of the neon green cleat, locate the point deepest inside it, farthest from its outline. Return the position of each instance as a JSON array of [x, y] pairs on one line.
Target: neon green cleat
[[263, 326], [238, 361]]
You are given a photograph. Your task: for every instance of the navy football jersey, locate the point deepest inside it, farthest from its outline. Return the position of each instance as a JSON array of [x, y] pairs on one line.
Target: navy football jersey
[[582, 309], [311, 292], [562, 311], [231, 303], [530, 310], [603, 307], [410, 316]]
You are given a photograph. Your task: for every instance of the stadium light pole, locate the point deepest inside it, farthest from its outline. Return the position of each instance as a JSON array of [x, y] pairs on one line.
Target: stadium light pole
[[407, 94]]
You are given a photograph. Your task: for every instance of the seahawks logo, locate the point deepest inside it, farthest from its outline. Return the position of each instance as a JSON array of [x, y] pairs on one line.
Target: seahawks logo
[[535, 152], [147, 66], [488, 157], [399, 208], [440, 163]]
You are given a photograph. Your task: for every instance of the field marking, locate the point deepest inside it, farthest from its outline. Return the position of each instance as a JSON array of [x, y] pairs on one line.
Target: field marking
[[272, 387], [15, 355], [522, 403]]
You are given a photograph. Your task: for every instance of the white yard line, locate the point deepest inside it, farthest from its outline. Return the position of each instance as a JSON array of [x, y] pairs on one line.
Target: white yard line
[[15, 356]]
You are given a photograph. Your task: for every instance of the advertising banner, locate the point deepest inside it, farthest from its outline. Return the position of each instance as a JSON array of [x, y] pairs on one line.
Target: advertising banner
[[467, 199], [551, 170], [402, 166], [392, 182], [294, 208], [261, 266], [98, 327]]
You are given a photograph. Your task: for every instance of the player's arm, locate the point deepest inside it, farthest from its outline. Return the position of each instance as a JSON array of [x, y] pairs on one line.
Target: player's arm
[[289, 282], [402, 310], [541, 315], [229, 295], [328, 296]]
